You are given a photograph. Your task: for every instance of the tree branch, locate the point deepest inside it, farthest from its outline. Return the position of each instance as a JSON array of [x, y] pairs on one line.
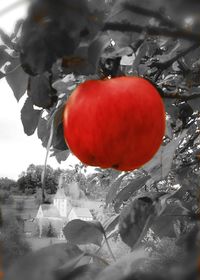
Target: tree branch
[[153, 30], [168, 60], [146, 12], [179, 96]]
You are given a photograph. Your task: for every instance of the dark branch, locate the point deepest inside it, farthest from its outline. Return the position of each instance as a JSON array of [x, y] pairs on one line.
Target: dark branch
[[152, 30], [179, 96], [146, 12], [167, 60]]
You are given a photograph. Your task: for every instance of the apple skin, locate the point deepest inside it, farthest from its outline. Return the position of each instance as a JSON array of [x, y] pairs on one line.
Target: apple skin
[[115, 123]]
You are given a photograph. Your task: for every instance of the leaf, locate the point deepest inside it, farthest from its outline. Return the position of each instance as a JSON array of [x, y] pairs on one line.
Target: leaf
[[140, 54], [59, 140], [40, 91], [43, 131], [6, 39], [17, 28], [17, 79], [114, 188], [65, 84], [60, 155], [85, 272], [68, 267], [164, 224], [40, 265], [135, 219], [118, 52], [2, 75], [128, 191], [111, 223], [126, 267], [29, 117], [82, 232], [127, 60], [58, 117], [97, 47], [4, 56], [44, 41], [160, 166]]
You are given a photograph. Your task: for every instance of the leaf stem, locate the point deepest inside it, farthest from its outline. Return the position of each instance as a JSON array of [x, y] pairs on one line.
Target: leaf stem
[[97, 257], [109, 248], [43, 175]]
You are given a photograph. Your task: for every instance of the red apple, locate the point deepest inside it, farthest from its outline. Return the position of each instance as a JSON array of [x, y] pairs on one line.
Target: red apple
[[115, 123]]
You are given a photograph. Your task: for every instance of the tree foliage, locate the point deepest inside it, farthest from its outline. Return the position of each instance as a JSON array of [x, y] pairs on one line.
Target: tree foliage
[[13, 243], [31, 179], [60, 45]]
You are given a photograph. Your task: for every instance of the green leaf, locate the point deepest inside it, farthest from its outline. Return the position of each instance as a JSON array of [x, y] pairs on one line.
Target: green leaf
[[59, 140], [4, 56], [41, 265], [60, 155], [85, 272], [66, 84], [6, 39], [29, 117], [68, 267], [114, 188], [17, 28], [40, 91], [128, 191], [135, 220], [82, 232], [163, 225], [160, 166], [97, 47], [43, 131], [2, 75], [127, 267], [111, 223], [17, 79]]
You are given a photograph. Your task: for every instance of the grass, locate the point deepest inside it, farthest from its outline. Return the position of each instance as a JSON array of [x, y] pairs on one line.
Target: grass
[[38, 243]]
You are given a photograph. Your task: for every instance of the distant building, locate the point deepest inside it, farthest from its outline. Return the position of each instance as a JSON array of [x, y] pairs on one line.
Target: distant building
[[80, 213], [61, 202], [62, 210], [48, 211]]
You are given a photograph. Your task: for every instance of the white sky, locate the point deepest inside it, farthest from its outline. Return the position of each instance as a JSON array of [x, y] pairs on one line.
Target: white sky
[[17, 150]]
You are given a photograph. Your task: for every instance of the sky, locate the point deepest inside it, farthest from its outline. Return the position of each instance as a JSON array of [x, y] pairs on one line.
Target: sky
[[17, 150]]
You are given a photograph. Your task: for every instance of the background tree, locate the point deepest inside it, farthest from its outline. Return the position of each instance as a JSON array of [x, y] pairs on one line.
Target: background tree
[[13, 243], [31, 179]]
